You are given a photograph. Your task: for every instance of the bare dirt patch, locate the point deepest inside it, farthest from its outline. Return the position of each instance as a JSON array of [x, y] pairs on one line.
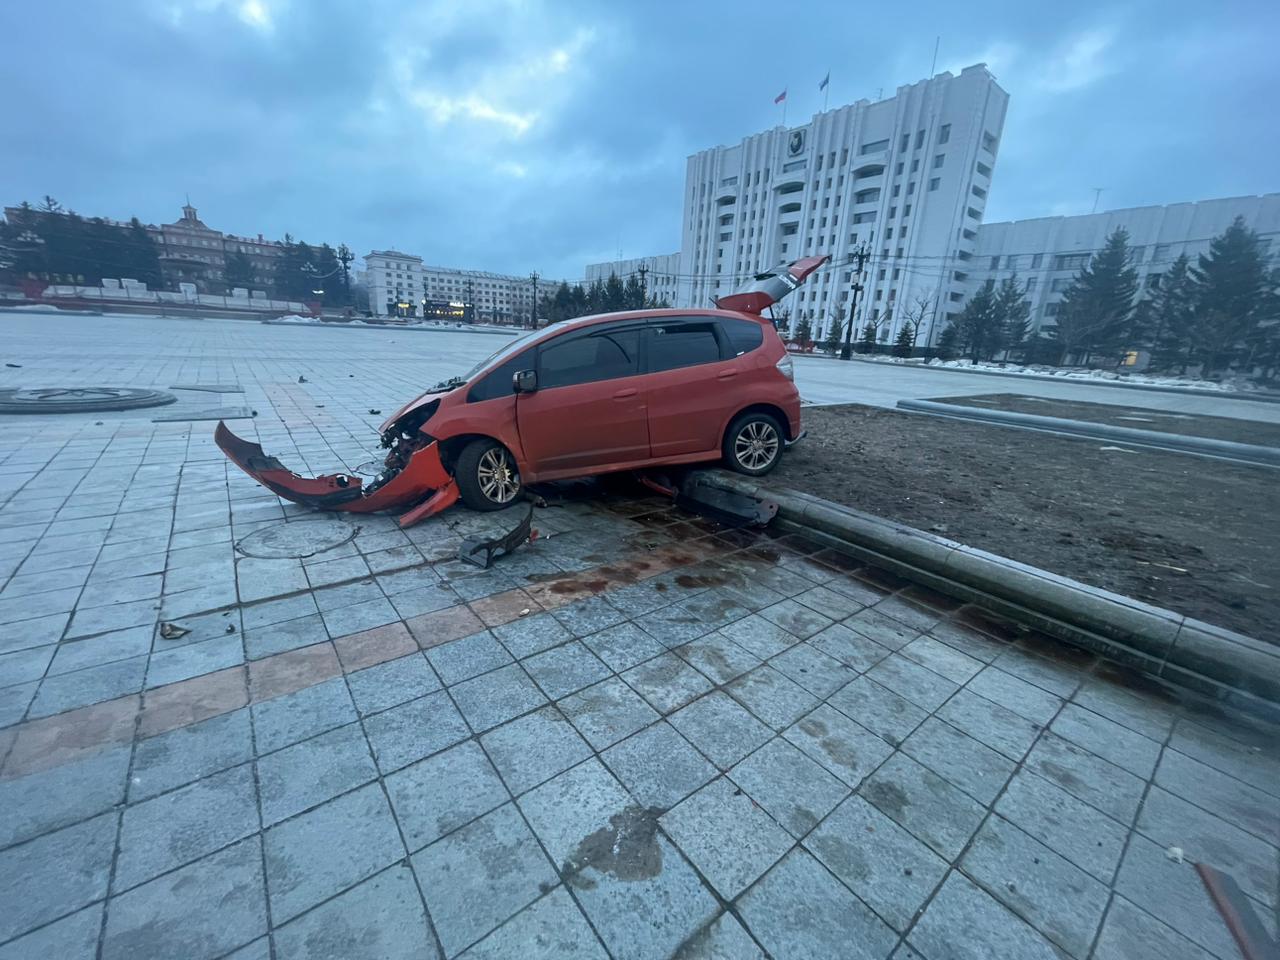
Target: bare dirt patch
[[1194, 535]]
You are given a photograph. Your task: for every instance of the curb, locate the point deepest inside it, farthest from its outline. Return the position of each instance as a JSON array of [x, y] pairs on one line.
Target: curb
[[392, 327], [1084, 381], [1226, 666], [1179, 443]]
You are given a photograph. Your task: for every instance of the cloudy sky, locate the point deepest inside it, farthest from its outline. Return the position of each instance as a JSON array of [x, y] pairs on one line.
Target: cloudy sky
[[512, 135]]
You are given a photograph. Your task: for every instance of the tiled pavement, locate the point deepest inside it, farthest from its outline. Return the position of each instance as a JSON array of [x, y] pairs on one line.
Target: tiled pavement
[[640, 736]]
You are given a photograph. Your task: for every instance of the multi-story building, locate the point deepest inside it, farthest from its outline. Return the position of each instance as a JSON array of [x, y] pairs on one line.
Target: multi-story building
[[491, 297], [661, 274], [905, 178], [394, 281], [1047, 252]]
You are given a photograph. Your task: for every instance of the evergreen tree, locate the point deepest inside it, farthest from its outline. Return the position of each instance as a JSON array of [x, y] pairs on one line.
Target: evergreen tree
[[239, 272], [804, 332], [835, 336], [1013, 311], [595, 297], [980, 326], [948, 342], [615, 294], [1165, 318], [905, 343], [1234, 297], [143, 257], [633, 295], [578, 301], [1097, 309], [868, 344]]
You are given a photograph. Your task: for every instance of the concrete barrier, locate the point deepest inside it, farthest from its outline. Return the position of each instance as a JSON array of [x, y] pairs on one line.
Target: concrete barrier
[[1231, 667]]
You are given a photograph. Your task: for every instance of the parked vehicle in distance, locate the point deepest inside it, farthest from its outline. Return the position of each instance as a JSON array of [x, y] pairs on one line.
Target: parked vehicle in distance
[[600, 394]]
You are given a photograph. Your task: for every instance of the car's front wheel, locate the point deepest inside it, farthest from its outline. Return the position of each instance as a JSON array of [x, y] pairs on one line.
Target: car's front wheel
[[753, 444], [487, 475]]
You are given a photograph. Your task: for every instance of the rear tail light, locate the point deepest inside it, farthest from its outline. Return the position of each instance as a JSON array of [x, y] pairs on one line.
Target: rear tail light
[[786, 368]]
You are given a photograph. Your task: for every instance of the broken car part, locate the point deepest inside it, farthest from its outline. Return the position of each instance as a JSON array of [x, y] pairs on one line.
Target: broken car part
[[482, 553]]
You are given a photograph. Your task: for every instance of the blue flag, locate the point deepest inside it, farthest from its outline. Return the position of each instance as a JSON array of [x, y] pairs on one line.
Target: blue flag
[[825, 81]]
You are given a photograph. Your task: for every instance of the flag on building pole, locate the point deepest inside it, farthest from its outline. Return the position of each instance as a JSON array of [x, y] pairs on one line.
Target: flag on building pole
[[780, 97], [823, 87]]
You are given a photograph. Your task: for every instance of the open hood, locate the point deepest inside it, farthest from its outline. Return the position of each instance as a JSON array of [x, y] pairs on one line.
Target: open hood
[[770, 287]]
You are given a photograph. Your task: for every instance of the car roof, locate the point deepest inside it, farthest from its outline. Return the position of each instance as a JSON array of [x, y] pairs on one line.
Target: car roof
[[625, 315]]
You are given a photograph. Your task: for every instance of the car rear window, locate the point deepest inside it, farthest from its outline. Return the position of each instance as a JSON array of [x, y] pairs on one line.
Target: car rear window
[[682, 345], [744, 336]]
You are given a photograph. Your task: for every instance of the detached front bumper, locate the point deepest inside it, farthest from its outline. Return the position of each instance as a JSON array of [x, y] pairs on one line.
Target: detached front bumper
[[421, 488]]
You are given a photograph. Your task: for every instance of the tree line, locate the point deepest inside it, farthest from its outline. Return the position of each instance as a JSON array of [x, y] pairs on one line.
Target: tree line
[[599, 296], [1220, 313]]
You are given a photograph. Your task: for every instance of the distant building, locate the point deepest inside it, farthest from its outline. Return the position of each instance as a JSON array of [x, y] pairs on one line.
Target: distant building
[[395, 283], [1047, 252], [493, 297], [906, 177], [661, 273]]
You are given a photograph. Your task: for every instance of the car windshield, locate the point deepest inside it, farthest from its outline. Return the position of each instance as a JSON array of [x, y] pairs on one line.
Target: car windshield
[[515, 346]]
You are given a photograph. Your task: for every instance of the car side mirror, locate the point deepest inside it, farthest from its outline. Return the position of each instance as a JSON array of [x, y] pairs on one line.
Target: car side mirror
[[525, 381]]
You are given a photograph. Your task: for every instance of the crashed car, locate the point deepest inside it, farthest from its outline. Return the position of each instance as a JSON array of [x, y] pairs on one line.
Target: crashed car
[[599, 394]]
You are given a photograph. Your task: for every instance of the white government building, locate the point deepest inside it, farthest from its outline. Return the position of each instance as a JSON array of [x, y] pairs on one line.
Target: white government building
[[907, 176], [401, 285]]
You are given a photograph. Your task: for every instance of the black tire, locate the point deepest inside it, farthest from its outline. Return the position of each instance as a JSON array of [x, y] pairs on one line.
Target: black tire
[[478, 485], [753, 444]]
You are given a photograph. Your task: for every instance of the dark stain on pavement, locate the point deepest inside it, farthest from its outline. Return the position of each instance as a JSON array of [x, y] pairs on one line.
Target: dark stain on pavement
[[889, 797], [627, 849]]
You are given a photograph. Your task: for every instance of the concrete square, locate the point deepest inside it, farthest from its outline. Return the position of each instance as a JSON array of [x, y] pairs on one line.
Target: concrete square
[[990, 930], [976, 769], [553, 928], [888, 868], [525, 636], [812, 669], [48, 799], [667, 682], [1115, 792], [658, 766], [468, 657], [176, 828], [83, 687], [286, 635], [717, 657], [791, 787], [72, 938], [830, 603], [392, 683], [496, 697], [1129, 933], [1023, 698], [925, 804], [1244, 805], [771, 696], [796, 618], [843, 747], [941, 659], [566, 669], [297, 716], [360, 616], [534, 748], [194, 659], [477, 877], [585, 617], [163, 919], [106, 648], [313, 771], [913, 682], [414, 730], [799, 910], [849, 647], [879, 709], [379, 919], [623, 646], [437, 795], [884, 630], [720, 729], [759, 636], [324, 851], [999, 728]]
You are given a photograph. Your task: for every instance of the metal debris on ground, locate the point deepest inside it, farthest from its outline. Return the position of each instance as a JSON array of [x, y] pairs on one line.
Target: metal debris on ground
[[171, 631], [482, 553], [374, 412], [302, 379]]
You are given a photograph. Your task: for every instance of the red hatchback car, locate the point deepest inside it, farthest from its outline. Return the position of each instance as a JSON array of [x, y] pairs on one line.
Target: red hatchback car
[[620, 391]]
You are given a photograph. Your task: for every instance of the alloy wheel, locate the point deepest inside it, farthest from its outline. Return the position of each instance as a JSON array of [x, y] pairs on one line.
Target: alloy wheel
[[498, 477], [756, 445]]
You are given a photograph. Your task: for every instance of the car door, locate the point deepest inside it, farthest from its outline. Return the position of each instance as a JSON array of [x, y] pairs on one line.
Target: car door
[[588, 411], [690, 370]]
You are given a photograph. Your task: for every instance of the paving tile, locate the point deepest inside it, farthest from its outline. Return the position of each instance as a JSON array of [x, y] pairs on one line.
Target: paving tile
[[360, 616], [313, 771], [879, 709], [468, 657], [71, 938], [884, 865], [623, 646], [607, 712], [717, 657], [414, 730], [1107, 739], [913, 682], [567, 811], [830, 603], [925, 804], [496, 697], [426, 599], [1247, 807], [277, 611], [799, 910], [565, 669], [325, 573], [441, 626], [1069, 826], [844, 748], [759, 636], [772, 697], [293, 670], [120, 591], [369, 648], [990, 930], [720, 729], [796, 618], [999, 728], [812, 669], [194, 700], [106, 648], [1025, 699], [1253, 764], [667, 682], [585, 617], [391, 683], [504, 607], [1056, 897], [728, 838], [192, 660], [437, 795], [177, 828], [790, 786], [553, 928], [64, 794], [55, 874], [321, 852], [849, 647], [1114, 791], [88, 686], [14, 701], [297, 716], [1174, 894], [657, 766], [163, 919], [26, 634], [884, 630], [475, 878], [1057, 677], [1173, 822], [677, 623], [1132, 934], [379, 919], [534, 748], [941, 659], [976, 769], [913, 615]]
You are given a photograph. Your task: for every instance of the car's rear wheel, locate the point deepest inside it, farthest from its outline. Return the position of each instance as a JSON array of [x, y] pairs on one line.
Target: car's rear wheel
[[753, 444], [487, 475]]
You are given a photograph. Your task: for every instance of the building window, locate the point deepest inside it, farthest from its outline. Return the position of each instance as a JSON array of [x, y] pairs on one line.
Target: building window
[[911, 188], [870, 196], [874, 147], [983, 169], [979, 192], [906, 143], [989, 143], [897, 189], [915, 164], [935, 183], [944, 133], [938, 160], [995, 263], [919, 139]]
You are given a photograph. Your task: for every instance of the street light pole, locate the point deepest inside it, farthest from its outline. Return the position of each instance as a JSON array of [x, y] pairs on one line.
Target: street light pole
[[533, 310], [860, 258]]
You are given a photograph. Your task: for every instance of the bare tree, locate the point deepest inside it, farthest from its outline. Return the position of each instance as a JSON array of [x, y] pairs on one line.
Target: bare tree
[[917, 312]]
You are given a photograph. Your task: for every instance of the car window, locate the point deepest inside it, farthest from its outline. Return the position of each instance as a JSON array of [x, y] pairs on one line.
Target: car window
[[497, 382], [744, 335], [607, 355], [676, 345]]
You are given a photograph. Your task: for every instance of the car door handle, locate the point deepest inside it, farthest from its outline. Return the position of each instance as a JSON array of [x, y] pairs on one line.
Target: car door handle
[[624, 394], [726, 374]]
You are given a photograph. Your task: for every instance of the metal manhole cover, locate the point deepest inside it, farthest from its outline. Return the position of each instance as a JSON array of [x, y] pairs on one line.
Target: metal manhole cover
[[80, 399], [297, 538]]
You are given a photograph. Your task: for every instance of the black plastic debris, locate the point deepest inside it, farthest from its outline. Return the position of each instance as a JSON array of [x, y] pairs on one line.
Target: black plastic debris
[[698, 494], [482, 553]]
